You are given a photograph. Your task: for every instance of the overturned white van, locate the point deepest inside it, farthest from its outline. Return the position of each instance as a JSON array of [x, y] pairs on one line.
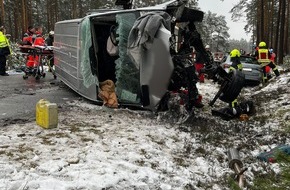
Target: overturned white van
[[82, 58], [137, 49]]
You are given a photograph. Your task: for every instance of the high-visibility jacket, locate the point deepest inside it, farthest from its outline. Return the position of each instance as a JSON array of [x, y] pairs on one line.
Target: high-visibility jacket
[[263, 56], [27, 40], [39, 40], [4, 44], [3, 40]]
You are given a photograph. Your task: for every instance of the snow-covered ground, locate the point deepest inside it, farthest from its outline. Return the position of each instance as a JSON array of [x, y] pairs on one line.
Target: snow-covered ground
[[96, 148]]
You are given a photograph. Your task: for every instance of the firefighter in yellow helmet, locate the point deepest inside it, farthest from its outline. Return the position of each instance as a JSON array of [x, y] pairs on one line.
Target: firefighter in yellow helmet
[[235, 108], [236, 65], [263, 56], [235, 59]]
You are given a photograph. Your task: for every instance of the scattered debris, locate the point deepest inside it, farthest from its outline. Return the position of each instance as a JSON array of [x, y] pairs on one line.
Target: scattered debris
[[270, 156], [236, 164]]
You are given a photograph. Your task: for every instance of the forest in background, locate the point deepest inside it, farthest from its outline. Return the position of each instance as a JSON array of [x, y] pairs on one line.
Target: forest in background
[[266, 20]]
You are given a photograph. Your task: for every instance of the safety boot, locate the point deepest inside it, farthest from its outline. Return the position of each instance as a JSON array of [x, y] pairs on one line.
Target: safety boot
[[277, 73]]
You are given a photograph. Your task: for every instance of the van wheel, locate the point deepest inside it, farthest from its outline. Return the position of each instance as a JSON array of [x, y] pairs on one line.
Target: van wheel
[[234, 87]]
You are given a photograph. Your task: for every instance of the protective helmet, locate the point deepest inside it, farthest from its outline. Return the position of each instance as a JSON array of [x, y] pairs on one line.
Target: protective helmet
[[262, 44], [207, 47], [271, 50], [51, 33], [235, 53]]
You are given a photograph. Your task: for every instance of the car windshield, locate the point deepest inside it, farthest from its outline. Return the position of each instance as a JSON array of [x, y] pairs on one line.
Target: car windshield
[[245, 59]]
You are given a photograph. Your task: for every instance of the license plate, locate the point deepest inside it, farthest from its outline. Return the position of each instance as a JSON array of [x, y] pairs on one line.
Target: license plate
[[247, 69]]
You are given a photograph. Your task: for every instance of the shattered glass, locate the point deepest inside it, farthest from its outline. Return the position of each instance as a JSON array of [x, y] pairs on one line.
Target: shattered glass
[[128, 76], [86, 42]]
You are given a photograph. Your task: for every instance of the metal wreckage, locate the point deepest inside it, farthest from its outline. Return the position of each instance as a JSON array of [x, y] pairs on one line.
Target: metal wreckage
[[147, 53]]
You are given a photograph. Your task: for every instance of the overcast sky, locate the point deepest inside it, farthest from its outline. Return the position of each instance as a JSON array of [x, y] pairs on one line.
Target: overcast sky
[[236, 30]]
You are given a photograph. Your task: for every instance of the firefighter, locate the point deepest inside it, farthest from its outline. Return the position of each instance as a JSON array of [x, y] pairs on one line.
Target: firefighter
[[235, 109], [4, 51], [235, 55], [264, 58], [235, 59]]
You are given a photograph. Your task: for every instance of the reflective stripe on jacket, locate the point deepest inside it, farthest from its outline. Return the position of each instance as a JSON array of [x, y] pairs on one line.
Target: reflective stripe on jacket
[[263, 56], [3, 40]]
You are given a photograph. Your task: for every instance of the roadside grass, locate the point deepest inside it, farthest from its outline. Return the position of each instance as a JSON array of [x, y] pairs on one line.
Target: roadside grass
[[280, 181], [269, 180]]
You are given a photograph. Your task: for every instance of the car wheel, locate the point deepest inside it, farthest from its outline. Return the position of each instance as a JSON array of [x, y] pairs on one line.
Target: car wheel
[[232, 90]]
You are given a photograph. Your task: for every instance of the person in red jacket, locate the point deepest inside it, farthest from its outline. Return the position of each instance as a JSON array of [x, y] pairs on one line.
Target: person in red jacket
[[27, 36], [272, 59], [273, 55], [39, 40], [28, 40]]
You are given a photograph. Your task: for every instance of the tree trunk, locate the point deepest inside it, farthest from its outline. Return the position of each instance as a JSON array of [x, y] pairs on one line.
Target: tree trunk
[[80, 8], [281, 38], [48, 14], [74, 9], [258, 27], [29, 13], [16, 21], [271, 34], [266, 26], [286, 48], [262, 18], [2, 21], [23, 16], [57, 12], [277, 28]]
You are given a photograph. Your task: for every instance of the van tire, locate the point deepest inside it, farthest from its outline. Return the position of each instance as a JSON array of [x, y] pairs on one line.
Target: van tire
[[233, 88]]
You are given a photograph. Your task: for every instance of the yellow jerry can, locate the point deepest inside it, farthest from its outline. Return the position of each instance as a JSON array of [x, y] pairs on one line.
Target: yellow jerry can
[[46, 114]]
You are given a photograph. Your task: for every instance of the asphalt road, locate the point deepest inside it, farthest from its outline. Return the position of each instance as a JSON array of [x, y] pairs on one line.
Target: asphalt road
[[18, 97]]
